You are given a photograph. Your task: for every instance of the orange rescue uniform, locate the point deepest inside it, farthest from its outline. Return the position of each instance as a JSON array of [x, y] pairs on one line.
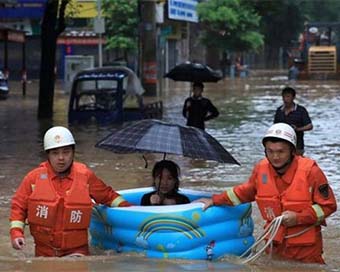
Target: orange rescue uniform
[[58, 209], [303, 189]]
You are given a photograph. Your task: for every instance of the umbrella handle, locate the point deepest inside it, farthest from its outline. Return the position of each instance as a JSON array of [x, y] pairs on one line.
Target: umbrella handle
[[160, 178], [146, 162], [159, 183]]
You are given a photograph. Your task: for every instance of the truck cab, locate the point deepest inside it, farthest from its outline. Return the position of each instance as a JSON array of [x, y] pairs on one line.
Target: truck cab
[[100, 94], [318, 53]]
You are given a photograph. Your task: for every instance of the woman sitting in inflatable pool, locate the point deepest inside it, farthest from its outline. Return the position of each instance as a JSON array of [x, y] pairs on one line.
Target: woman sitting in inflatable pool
[[165, 176], [172, 231]]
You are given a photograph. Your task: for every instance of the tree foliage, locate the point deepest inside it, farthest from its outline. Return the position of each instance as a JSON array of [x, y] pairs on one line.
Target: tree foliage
[[121, 19], [229, 25], [321, 10], [281, 21]]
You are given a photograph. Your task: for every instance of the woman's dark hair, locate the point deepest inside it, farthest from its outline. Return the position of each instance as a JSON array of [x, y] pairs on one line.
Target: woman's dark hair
[[172, 167]]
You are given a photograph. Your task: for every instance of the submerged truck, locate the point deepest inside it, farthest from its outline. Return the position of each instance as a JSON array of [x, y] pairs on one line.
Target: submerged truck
[[317, 56], [110, 95]]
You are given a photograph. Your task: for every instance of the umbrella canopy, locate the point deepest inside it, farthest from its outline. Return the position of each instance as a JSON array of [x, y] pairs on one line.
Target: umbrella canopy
[[154, 136], [193, 72]]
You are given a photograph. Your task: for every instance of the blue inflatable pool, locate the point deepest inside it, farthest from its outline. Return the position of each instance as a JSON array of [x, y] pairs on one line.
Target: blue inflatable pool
[[174, 231]]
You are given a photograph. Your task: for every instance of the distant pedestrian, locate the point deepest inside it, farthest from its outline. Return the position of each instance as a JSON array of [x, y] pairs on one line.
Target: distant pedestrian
[[293, 72], [241, 68], [295, 115], [225, 64], [198, 109]]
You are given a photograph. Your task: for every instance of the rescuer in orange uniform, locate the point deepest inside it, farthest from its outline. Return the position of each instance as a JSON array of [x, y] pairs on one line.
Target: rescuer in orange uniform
[[56, 199], [286, 184]]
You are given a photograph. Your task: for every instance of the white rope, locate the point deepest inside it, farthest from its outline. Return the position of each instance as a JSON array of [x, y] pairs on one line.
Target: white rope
[[269, 233], [299, 233]]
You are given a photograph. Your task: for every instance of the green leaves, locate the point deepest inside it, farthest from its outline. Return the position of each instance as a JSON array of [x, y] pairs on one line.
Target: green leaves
[[121, 42], [121, 19], [227, 24]]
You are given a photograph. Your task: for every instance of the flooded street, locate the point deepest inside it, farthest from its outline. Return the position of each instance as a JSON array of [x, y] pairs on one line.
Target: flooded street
[[246, 108]]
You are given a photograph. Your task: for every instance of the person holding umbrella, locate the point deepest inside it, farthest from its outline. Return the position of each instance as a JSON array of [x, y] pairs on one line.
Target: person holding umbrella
[[290, 188], [198, 109], [56, 200], [165, 175]]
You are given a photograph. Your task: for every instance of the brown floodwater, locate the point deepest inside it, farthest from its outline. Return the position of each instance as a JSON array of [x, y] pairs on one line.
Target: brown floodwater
[[246, 109]]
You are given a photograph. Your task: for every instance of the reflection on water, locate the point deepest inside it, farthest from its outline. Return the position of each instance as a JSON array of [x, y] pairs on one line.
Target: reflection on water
[[247, 108], [139, 263]]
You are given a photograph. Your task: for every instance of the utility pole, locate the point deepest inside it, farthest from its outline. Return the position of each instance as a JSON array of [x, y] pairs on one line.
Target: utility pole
[[99, 27]]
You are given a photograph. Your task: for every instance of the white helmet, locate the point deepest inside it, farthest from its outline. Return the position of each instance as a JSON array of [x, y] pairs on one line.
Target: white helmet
[[281, 131], [57, 137]]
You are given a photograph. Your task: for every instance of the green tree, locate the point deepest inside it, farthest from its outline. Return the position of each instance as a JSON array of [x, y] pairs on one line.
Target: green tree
[[321, 10], [121, 18], [281, 23], [229, 25]]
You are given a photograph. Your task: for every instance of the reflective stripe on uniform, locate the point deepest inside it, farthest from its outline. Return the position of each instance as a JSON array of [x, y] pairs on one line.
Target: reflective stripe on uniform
[[117, 201], [17, 224], [319, 213], [232, 196]]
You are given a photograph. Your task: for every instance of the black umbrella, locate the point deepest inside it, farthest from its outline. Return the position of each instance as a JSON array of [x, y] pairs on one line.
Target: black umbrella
[[154, 136], [193, 72]]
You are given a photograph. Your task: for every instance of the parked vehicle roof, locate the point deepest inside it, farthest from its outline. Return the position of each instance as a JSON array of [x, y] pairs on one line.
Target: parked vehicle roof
[[109, 72]]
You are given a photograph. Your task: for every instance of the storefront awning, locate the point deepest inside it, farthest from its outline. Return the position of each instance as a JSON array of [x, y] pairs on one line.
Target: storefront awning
[[84, 37], [12, 35]]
